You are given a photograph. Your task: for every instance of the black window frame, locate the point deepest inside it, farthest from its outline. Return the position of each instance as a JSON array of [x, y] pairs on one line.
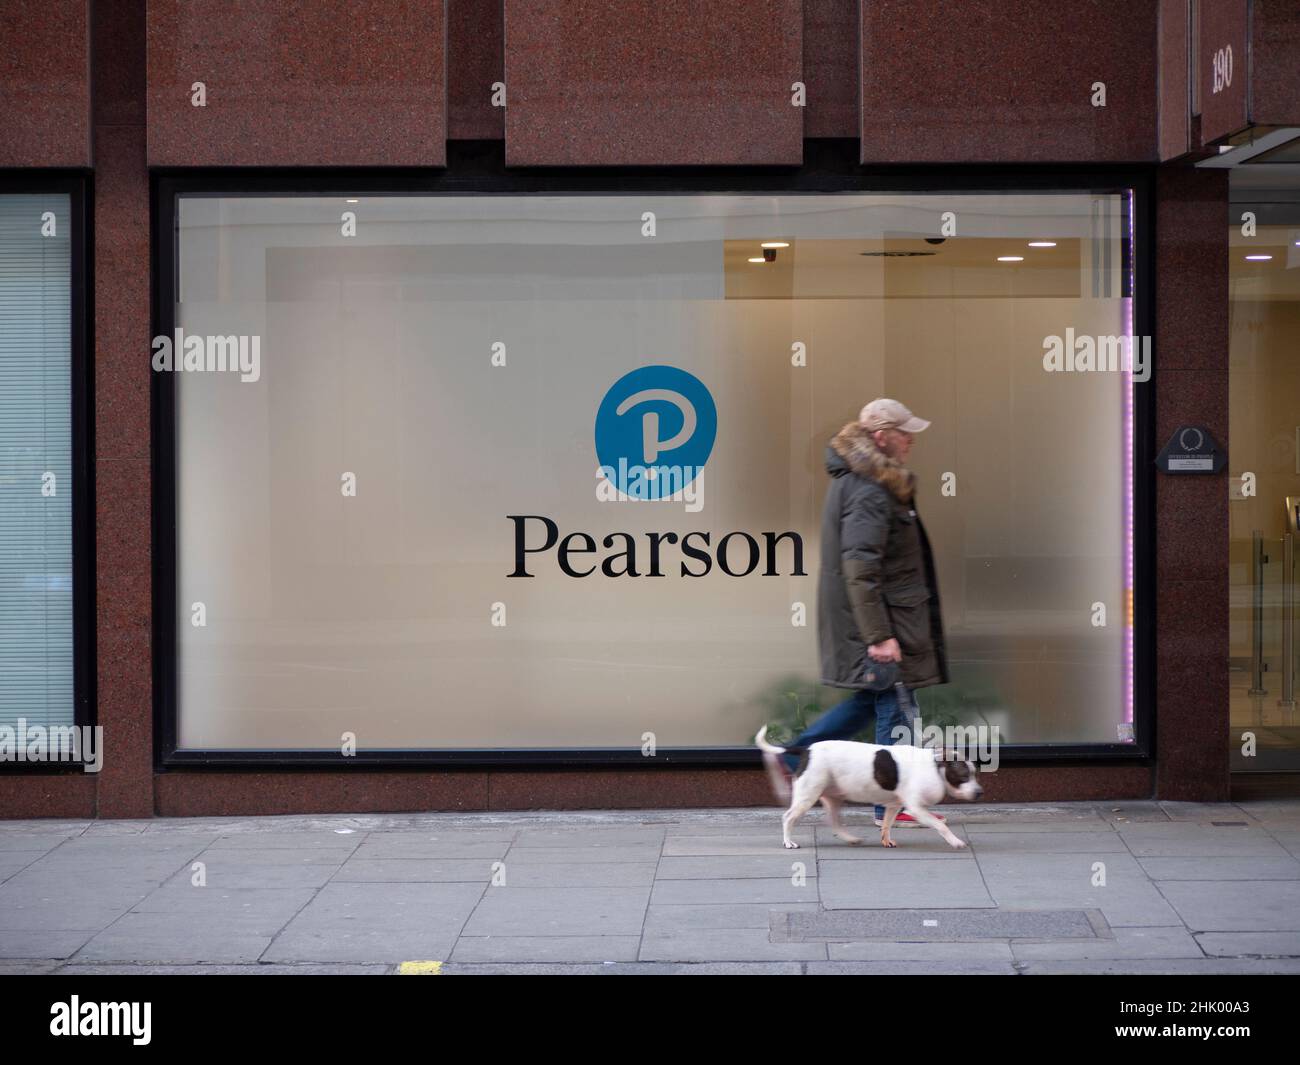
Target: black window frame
[[77, 185], [478, 168]]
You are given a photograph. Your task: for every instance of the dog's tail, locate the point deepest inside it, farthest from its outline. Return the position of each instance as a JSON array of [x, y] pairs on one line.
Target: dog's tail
[[760, 741], [777, 773]]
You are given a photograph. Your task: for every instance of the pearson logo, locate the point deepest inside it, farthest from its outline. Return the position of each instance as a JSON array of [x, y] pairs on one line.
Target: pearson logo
[[654, 432]]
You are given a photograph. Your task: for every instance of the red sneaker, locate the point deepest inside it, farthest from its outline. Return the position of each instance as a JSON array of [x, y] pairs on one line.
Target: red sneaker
[[907, 820]]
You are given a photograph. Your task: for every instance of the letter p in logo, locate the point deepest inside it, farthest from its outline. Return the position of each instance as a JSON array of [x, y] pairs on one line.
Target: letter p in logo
[[651, 444], [655, 427]]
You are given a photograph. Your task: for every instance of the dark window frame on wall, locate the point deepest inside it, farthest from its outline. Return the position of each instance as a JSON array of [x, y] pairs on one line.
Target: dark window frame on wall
[[477, 168], [76, 185]]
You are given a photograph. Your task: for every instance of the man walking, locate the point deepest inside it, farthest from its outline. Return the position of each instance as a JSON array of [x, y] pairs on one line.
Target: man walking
[[878, 599]]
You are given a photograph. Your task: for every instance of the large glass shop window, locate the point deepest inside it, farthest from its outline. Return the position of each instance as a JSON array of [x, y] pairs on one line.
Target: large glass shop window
[[546, 471]]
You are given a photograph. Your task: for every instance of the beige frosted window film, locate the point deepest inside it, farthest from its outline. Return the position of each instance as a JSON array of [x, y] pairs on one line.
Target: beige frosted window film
[[452, 356]]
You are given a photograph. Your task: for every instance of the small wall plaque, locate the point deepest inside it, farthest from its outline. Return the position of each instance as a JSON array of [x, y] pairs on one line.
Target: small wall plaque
[[1191, 450]]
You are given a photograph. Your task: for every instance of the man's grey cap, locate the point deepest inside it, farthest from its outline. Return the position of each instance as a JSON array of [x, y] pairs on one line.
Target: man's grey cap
[[890, 414]]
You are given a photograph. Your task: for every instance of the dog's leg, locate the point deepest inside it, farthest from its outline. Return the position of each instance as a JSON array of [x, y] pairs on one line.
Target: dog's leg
[[930, 821], [833, 811], [780, 780], [891, 812], [806, 794]]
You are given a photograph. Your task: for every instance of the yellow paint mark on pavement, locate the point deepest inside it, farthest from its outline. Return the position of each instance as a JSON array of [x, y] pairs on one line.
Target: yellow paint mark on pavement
[[419, 968]]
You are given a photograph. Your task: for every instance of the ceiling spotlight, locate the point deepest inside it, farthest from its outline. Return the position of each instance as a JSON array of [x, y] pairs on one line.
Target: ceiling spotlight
[[1011, 258], [757, 259], [1042, 244], [775, 244], [1258, 258]]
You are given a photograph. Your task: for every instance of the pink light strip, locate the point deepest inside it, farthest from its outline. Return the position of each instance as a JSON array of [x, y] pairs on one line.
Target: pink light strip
[[1128, 469]]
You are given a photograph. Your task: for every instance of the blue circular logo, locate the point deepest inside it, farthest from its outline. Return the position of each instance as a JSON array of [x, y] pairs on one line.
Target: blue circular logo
[[654, 431]]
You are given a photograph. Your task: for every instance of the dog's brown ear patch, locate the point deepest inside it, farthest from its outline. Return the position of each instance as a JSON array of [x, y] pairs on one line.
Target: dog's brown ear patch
[[885, 770], [957, 773]]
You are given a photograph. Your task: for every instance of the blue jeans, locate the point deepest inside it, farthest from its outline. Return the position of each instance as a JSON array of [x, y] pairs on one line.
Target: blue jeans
[[852, 716]]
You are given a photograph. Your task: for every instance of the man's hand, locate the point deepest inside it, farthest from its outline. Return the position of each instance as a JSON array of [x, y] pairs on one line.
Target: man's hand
[[885, 652]]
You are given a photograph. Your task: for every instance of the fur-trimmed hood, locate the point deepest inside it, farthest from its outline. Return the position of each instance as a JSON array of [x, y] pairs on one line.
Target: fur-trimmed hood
[[852, 449]]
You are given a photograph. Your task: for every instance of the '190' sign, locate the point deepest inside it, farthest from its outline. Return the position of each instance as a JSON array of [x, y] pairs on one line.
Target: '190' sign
[[1222, 69]]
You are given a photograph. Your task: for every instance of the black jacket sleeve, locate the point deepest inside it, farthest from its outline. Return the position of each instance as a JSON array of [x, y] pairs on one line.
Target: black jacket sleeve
[[864, 531]]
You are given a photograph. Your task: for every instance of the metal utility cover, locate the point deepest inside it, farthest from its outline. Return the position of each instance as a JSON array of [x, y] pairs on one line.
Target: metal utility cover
[[947, 926]]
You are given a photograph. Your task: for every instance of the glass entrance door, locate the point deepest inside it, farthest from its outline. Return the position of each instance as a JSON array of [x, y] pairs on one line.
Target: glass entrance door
[[1265, 725], [1264, 457]]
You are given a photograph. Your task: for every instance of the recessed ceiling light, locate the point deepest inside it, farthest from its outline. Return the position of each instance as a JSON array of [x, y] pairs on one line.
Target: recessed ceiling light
[[775, 244], [1011, 258], [1258, 258], [757, 259], [352, 201], [1042, 244]]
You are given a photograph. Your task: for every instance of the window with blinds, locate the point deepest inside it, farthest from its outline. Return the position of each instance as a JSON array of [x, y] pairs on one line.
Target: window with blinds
[[36, 630]]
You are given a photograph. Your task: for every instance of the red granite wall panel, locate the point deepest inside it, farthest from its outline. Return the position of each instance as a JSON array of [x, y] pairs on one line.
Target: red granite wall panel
[[120, 342], [70, 795], [1008, 81], [118, 73], [1191, 383], [1222, 67], [233, 794], [44, 83], [297, 83], [475, 62], [1275, 63], [653, 82], [1174, 89], [830, 67], [194, 794]]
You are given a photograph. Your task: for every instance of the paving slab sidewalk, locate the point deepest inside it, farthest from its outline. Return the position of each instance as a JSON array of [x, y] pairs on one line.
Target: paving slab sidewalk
[[1070, 887]]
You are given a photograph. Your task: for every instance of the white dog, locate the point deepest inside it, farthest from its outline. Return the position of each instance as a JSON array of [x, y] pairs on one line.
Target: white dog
[[897, 778]]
